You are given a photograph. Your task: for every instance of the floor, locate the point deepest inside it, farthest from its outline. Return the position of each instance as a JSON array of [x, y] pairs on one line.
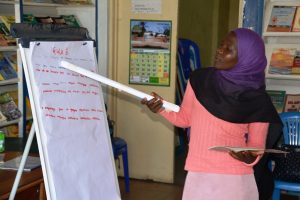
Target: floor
[[148, 190]]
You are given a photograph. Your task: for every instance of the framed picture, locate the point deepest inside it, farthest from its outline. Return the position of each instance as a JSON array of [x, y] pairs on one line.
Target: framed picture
[[150, 52]]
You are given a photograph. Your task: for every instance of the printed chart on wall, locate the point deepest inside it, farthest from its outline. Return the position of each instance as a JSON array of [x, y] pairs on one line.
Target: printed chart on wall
[[150, 52], [72, 122]]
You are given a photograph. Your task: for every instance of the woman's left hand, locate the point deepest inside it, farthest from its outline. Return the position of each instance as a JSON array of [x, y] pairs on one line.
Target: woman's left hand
[[155, 104], [245, 156]]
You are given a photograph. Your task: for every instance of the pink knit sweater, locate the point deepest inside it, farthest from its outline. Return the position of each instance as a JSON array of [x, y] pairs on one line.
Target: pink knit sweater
[[207, 130]]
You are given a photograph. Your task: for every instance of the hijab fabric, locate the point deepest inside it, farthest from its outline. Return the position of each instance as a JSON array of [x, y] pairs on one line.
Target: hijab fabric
[[249, 72], [237, 95]]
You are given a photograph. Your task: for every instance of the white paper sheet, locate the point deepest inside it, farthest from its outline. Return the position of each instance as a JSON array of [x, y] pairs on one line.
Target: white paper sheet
[[146, 6], [72, 121]]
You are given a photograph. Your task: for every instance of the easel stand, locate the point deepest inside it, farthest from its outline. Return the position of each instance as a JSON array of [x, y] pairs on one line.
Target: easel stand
[[62, 127], [22, 163]]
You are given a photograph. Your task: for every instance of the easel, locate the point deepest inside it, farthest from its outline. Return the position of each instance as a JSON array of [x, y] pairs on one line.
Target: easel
[[59, 35], [19, 34]]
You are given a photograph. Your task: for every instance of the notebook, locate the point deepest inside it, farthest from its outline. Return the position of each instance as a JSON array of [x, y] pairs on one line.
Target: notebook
[[13, 164], [238, 149]]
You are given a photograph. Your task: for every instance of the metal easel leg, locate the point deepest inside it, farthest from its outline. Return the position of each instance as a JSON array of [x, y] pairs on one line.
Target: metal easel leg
[[22, 163]]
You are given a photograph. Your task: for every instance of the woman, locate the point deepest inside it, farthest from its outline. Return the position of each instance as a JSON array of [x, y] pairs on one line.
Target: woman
[[225, 105]]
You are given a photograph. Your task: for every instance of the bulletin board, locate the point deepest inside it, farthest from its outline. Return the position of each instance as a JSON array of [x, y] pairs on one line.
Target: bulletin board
[[150, 52]]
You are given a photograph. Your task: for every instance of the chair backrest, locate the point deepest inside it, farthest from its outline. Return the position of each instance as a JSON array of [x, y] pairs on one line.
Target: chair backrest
[[291, 127], [188, 59]]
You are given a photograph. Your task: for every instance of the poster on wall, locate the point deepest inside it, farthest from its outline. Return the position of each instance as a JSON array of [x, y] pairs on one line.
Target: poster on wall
[[150, 52]]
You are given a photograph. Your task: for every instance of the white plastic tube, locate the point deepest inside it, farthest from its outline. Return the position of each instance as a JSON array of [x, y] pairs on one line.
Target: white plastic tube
[[119, 86]]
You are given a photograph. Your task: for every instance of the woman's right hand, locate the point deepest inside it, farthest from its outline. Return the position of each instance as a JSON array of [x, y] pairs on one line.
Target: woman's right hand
[[154, 104], [247, 157]]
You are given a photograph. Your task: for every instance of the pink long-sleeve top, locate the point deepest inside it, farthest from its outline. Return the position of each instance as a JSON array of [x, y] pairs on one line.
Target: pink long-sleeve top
[[206, 131]]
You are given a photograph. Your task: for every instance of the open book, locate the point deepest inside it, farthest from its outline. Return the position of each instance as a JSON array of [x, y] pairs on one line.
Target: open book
[[238, 149], [13, 164]]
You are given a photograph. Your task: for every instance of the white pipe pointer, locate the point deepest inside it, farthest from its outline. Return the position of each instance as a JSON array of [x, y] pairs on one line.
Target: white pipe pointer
[[119, 86]]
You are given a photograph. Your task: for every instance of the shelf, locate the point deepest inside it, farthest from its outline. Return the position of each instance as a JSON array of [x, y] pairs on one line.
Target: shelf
[[283, 77], [8, 48], [8, 2], [285, 2], [56, 5], [281, 34], [9, 82], [7, 123], [42, 4], [46, 4]]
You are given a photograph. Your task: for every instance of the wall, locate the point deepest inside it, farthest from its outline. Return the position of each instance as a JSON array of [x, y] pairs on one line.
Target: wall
[[195, 23], [223, 19], [206, 23], [228, 17], [150, 138], [234, 7], [102, 31]]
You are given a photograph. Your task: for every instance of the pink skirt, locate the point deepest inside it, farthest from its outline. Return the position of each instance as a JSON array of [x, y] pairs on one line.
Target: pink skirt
[[204, 186]]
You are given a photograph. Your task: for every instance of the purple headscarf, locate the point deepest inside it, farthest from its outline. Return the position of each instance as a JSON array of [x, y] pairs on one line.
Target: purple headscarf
[[237, 95], [249, 71]]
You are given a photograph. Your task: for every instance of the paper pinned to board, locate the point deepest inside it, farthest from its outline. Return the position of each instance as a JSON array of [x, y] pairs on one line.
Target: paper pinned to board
[[146, 7], [239, 149]]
